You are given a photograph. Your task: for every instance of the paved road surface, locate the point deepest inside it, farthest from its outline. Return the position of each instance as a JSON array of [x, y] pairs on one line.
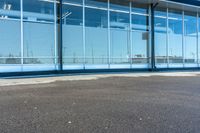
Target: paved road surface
[[155, 104]]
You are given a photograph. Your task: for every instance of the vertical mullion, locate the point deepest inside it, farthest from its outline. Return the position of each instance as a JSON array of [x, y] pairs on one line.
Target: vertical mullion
[[167, 36], [84, 41], [183, 37], [22, 34], [197, 39], [55, 34], [109, 41], [152, 32], [130, 35], [150, 42], [60, 38]]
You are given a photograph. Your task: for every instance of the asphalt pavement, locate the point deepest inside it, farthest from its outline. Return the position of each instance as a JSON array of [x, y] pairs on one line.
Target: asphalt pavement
[[153, 104]]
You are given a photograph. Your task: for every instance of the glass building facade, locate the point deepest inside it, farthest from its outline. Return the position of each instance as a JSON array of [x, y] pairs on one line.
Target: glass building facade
[[43, 35]]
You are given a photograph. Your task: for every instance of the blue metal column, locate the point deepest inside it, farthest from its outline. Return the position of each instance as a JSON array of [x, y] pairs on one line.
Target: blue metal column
[[153, 64], [60, 46]]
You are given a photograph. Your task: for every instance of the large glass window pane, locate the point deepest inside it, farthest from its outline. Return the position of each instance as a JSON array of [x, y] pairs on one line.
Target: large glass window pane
[[140, 47], [38, 43], [10, 9], [97, 3], [10, 33], [10, 47], [96, 22], [140, 22], [119, 20], [120, 5], [41, 10], [73, 35], [140, 34], [139, 8], [120, 36], [190, 24], [120, 47], [161, 36], [140, 17], [39, 34], [175, 31]]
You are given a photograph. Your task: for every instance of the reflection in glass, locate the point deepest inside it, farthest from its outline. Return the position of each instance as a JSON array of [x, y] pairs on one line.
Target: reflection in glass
[[38, 40], [161, 36], [119, 20], [175, 31], [39, 60], [10, 38], [10, 35], [10, 9], [140, 47], [41, 10], [10, 60], [120, 48], [96, 22], [140, 17], [140, 22], [39, 34], [10, 42], [120, 32], [73, 1], [120, 5], [190, 25], [97, 3], [140, 34], [72, 35], [139, 8]]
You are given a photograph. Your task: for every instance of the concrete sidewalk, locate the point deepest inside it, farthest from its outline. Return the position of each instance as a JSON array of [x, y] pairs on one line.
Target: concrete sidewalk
[[26, 80]]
